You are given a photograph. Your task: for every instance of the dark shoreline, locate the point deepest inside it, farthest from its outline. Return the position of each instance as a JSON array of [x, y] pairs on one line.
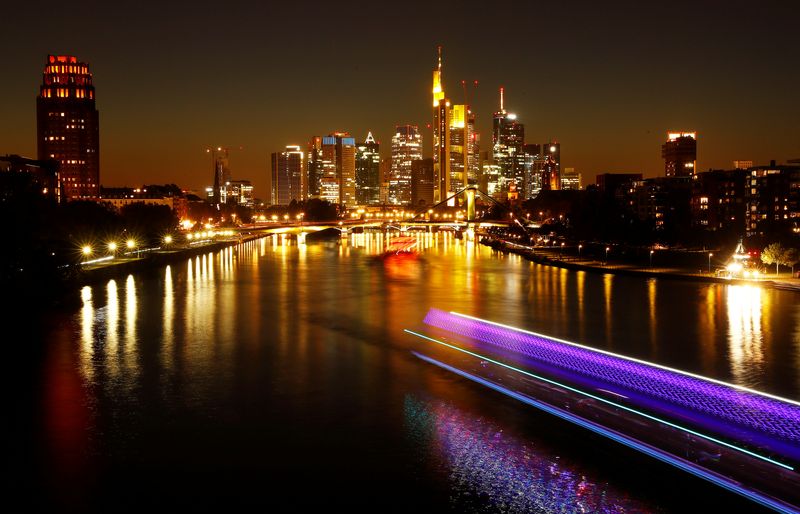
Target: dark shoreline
[[542, 258]]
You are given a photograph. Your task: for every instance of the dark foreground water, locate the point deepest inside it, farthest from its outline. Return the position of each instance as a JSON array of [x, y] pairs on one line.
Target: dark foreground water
[[278, 377]]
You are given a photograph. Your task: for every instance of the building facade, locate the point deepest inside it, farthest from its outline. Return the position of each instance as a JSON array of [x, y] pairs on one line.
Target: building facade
[[422, 183], [508, 139], [406, 148], [680, 154], [68, 125], [288, 172], [368, 172]]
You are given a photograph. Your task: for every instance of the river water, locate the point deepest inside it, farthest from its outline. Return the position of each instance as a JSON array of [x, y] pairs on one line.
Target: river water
[[278, 376]]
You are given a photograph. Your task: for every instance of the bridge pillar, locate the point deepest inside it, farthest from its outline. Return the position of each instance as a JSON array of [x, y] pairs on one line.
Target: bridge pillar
[[301, 238], [470, 192]]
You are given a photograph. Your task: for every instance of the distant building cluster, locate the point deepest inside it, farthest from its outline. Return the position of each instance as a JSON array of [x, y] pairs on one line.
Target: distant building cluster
[[511, 170], [746, 200]]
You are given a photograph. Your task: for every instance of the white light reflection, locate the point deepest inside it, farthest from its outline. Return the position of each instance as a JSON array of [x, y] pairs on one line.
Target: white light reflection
[[744, 334]]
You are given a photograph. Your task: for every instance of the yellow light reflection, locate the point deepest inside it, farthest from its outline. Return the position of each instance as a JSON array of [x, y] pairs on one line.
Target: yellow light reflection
[[87, 333]]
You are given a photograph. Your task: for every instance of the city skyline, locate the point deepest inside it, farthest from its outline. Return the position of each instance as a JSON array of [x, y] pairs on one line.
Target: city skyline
[[163, 105]]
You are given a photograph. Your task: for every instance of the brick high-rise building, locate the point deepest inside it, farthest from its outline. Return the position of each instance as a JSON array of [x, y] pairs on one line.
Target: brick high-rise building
[[67, 125]]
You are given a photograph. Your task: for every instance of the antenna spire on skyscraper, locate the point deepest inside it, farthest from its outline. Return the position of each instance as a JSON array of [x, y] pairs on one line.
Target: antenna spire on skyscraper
[[439, 48], [502, 109]]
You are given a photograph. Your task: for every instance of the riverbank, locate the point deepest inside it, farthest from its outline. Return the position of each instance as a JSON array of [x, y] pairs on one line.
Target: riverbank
[[557, 258], [116, 268]]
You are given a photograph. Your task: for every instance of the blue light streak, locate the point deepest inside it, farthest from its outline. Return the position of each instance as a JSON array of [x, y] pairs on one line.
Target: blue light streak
[[606, 401], [615, 436]]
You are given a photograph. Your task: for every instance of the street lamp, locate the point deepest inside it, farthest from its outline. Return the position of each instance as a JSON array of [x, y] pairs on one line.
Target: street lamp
[[560, 250], [651, 258], [86, 250], [709, 262], [112, 247], [607, 249], [167, 239]]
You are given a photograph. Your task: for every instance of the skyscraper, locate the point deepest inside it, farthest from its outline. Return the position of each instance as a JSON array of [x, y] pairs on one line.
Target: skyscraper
[[314, 166], [508, 138], [680, 154], [441, 135], [288, 176], [551, 153], [534, 166], [338, 183], [421, 183], [220, 160], [68, 125], [459, 148], [406, 147], [368, 173], [473, 150]]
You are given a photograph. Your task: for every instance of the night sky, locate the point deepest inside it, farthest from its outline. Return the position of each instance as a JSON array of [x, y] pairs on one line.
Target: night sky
[[606, 79]]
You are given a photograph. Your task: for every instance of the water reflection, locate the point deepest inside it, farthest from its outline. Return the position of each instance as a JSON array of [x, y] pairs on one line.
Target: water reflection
[[745, 342], [491, 470], [112, 317]]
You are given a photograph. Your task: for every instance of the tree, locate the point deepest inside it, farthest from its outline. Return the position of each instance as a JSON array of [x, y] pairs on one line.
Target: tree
[[773, 254], [791, 257]]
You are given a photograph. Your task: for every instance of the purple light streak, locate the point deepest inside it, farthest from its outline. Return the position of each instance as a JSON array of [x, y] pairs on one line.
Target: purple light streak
[[740, 407]]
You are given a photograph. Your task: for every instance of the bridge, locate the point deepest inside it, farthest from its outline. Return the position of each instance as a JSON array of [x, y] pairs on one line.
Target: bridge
[[743, 440], [419, 221]]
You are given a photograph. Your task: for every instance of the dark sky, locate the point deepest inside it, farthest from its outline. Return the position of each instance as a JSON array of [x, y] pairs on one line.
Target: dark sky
[[606, 79]]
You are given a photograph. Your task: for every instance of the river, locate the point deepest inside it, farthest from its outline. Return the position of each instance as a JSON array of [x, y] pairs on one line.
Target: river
[[278, 376]]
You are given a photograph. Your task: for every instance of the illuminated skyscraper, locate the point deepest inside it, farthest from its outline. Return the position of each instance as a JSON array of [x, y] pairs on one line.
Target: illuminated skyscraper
[[534, 165], [368, 173], [551, 152], [314, 166], [338, 183], [441, 135], [220, 161], [473, 150], [680, 154], [459, 148], [508, 138], [68, 125], [406, 147], [288, 176]]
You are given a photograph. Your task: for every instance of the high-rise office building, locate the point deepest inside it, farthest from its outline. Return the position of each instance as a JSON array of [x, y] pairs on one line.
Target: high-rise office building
[[288, 176], [68, 125], [508, 138], [473, 150], [240, 192], [314, 168], [441, 135], [459, 148], [571, 180], [338, 183], [680, 154], [534, 166], [421, 183], [551, 153], [368, 172], [220, 161], [406, 147]]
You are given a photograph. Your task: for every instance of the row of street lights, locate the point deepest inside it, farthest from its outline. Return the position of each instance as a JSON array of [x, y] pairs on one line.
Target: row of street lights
[[112, 246]]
